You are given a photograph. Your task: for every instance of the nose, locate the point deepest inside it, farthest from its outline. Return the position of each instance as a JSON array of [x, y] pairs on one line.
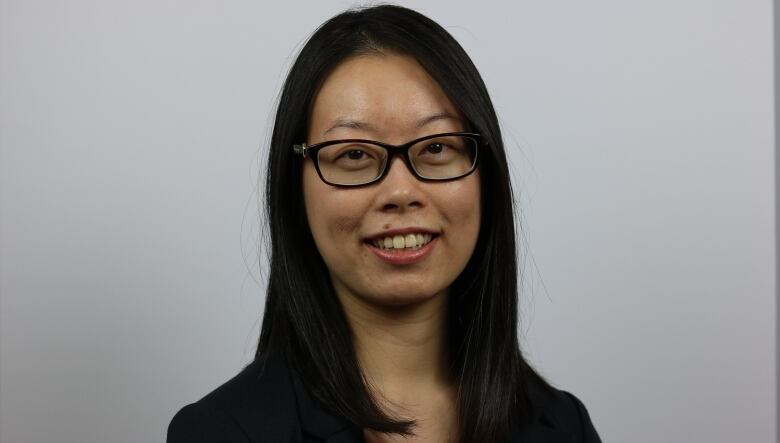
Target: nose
[[400, 189]]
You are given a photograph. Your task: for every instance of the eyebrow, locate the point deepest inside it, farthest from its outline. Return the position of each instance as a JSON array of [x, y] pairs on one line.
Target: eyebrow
[[348, 123], [357, 124], [437, 117]]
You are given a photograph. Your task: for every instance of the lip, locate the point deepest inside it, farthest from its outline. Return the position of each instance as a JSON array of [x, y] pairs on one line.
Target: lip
[[404, 256], [401, 231]]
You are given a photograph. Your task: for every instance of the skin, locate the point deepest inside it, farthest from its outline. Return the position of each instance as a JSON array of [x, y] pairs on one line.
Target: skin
[[397, 312]]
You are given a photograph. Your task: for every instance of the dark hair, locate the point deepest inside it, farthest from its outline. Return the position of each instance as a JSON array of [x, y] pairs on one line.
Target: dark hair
[[304, 320]]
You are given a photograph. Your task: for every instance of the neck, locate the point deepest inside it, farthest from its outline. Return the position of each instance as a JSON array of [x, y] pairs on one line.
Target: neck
[[402, 350]]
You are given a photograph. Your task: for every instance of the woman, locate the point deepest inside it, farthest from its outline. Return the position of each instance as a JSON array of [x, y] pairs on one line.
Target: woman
[[391, 311]]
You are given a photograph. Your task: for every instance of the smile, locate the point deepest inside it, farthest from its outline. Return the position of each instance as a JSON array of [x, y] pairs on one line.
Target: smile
[[411, 241], [403, 249]]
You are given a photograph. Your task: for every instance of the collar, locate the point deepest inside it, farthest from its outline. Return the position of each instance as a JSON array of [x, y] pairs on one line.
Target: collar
[[318, 422], [278, 380]]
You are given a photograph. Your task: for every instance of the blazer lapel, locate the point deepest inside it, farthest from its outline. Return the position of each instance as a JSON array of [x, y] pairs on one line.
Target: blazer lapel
[[544, 426], [266, 408], [352, 434], [539, 433], [320, 423]]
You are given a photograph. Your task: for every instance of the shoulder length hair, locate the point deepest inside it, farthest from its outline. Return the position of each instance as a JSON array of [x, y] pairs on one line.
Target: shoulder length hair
[[303, 319]]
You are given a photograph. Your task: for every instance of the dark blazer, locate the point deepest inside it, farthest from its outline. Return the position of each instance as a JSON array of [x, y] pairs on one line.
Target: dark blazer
[[271, 405]]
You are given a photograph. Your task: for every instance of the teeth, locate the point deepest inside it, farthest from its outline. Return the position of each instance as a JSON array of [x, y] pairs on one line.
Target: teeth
[[413, 241]]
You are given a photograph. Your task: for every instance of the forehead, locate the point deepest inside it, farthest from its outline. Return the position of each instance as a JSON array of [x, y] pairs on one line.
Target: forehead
[[381, 95]]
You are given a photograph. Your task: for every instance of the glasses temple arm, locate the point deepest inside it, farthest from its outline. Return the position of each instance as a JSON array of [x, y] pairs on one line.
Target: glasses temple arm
[[301, 149]]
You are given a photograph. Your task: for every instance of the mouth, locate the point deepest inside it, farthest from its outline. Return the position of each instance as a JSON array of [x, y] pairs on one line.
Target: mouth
[[410, 241], [403, 249]]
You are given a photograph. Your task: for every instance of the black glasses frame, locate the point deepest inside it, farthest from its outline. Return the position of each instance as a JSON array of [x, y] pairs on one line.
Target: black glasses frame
[[392, 150]]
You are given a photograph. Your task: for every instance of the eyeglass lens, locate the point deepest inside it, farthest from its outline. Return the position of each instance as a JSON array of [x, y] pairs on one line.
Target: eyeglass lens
[[441, 158]]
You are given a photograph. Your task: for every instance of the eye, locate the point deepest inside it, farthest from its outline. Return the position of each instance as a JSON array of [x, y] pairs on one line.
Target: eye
[[354, 154], [434, 148]]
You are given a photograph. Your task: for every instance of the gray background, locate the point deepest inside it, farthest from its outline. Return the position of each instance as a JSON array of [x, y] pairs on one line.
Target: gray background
[[641, 139]]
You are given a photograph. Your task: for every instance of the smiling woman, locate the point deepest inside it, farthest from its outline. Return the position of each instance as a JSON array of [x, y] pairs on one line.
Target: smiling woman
[[391, 311], [395, 96]]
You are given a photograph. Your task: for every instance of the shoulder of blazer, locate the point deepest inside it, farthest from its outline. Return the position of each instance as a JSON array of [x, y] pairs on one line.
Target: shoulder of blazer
[[560, 416], [257, 405]]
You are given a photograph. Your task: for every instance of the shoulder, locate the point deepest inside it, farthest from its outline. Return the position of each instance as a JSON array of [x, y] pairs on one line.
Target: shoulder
[[199, 422], [570, 413], [257, 403], [560, 411]]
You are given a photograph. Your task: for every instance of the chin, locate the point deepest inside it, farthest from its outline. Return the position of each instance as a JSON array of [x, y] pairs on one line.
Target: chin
[[403, 297]]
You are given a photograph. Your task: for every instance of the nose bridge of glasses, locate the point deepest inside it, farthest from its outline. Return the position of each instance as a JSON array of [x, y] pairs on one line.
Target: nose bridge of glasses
[[401, 154]]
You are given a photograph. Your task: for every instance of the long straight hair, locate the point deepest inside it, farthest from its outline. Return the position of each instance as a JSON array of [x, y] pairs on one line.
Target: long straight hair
[[304, 320]]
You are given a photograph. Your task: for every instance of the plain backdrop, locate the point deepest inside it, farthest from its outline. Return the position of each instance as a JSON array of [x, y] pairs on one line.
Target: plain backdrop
[[640, 136]]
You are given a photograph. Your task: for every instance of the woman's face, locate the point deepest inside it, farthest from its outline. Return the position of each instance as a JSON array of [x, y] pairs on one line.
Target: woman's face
[[389, 98]]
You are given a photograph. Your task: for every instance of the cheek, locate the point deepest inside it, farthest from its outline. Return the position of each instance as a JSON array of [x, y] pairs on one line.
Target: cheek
[[466, 216], [473, 224], [315, 199], [465, 207], [332, 213], [310, 193]]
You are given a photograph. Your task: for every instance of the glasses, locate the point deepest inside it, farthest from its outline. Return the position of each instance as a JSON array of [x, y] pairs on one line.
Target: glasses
[[357, 162]]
